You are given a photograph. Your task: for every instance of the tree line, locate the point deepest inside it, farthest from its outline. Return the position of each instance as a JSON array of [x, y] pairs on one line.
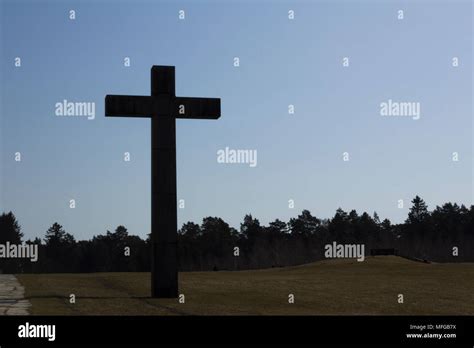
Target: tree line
[[445, 234]]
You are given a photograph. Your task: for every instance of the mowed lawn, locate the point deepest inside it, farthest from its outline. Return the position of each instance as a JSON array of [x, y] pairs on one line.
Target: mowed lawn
[[328, 287]]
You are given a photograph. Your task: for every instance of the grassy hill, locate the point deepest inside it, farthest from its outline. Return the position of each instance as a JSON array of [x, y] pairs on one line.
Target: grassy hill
[[328, 287]]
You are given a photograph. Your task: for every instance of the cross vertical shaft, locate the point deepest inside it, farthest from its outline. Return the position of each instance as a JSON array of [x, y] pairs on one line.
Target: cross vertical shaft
[[164, 268]]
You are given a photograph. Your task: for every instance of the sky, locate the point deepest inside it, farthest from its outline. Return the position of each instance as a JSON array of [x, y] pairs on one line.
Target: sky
[[282, 62]]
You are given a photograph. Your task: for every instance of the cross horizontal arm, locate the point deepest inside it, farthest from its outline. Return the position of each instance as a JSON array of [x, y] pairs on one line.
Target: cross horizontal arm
[[205, 108], [127, 105]]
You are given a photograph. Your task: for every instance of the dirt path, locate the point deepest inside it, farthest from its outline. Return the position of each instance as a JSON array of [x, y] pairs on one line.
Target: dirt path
[[12, 295]]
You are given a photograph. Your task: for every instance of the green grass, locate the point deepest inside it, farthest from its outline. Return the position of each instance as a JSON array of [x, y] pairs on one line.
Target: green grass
[[328, 287]]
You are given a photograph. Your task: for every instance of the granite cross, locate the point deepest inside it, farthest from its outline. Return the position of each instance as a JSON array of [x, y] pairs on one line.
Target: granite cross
[[163, 107]]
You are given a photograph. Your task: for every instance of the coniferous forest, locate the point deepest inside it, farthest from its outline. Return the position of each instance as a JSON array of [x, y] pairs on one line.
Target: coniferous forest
[[445, 234]]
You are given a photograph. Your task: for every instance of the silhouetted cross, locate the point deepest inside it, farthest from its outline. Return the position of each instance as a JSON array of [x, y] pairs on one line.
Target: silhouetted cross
[[163, 107]]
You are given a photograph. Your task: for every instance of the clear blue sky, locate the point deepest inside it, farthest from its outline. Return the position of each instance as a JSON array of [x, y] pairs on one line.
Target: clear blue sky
[[282, 62]]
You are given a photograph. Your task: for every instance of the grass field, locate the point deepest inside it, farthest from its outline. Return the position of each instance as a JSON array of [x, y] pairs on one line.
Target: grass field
[[322, 288]]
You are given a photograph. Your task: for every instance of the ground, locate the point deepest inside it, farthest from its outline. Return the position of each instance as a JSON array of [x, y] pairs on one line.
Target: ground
[[329, 287]]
